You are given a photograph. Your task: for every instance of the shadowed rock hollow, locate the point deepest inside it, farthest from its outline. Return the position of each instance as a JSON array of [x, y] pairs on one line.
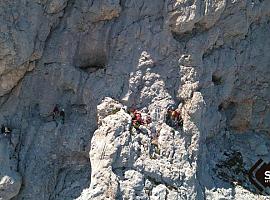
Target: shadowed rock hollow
[[93, 58]]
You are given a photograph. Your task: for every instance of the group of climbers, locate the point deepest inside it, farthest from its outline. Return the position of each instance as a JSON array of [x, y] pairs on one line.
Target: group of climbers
[[173, 118], [137, 118], [58, 115], [138, 121]]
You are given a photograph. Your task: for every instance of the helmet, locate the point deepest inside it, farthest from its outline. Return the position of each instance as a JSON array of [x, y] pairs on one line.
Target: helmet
[[138, 114], [171, 107]]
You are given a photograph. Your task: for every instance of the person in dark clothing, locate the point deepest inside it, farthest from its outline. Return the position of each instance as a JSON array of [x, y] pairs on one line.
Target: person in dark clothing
[[138, 118], [62, 116], [137, 121], [148, 119], [6, 132], [55, 111], [180, 122], [2, 129], [168, 117]]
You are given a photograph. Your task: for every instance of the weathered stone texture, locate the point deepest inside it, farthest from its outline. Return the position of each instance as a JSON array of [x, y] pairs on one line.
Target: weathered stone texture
[[95, 58]]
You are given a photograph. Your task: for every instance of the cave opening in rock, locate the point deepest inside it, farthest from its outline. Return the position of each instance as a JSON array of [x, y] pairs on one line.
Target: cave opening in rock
[[91, 55], [91, 65], [92, 68]]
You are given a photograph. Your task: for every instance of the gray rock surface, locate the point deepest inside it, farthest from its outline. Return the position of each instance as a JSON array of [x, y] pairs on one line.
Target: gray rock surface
[[10, 180], [95, 58]]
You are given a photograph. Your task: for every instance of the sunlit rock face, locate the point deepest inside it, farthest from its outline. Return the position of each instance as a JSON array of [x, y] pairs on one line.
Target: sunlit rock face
[[95, 59]]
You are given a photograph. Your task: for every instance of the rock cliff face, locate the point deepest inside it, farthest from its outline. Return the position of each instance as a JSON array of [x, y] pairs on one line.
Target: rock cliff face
[[94, 58]]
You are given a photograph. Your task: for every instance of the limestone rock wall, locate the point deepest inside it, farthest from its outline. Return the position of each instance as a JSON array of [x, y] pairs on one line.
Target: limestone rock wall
[[207, 57]]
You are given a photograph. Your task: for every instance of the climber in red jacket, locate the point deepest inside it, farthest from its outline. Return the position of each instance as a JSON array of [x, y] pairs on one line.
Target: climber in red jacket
[[138, 118]]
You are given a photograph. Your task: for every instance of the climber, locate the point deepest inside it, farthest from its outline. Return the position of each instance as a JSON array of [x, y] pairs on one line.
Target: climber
[[148, 119], [2, 129], [138, 118], [177, 119], [180, 122], [168, 117], [62, 116], [55, 111], [5, 130], [173, 117]]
